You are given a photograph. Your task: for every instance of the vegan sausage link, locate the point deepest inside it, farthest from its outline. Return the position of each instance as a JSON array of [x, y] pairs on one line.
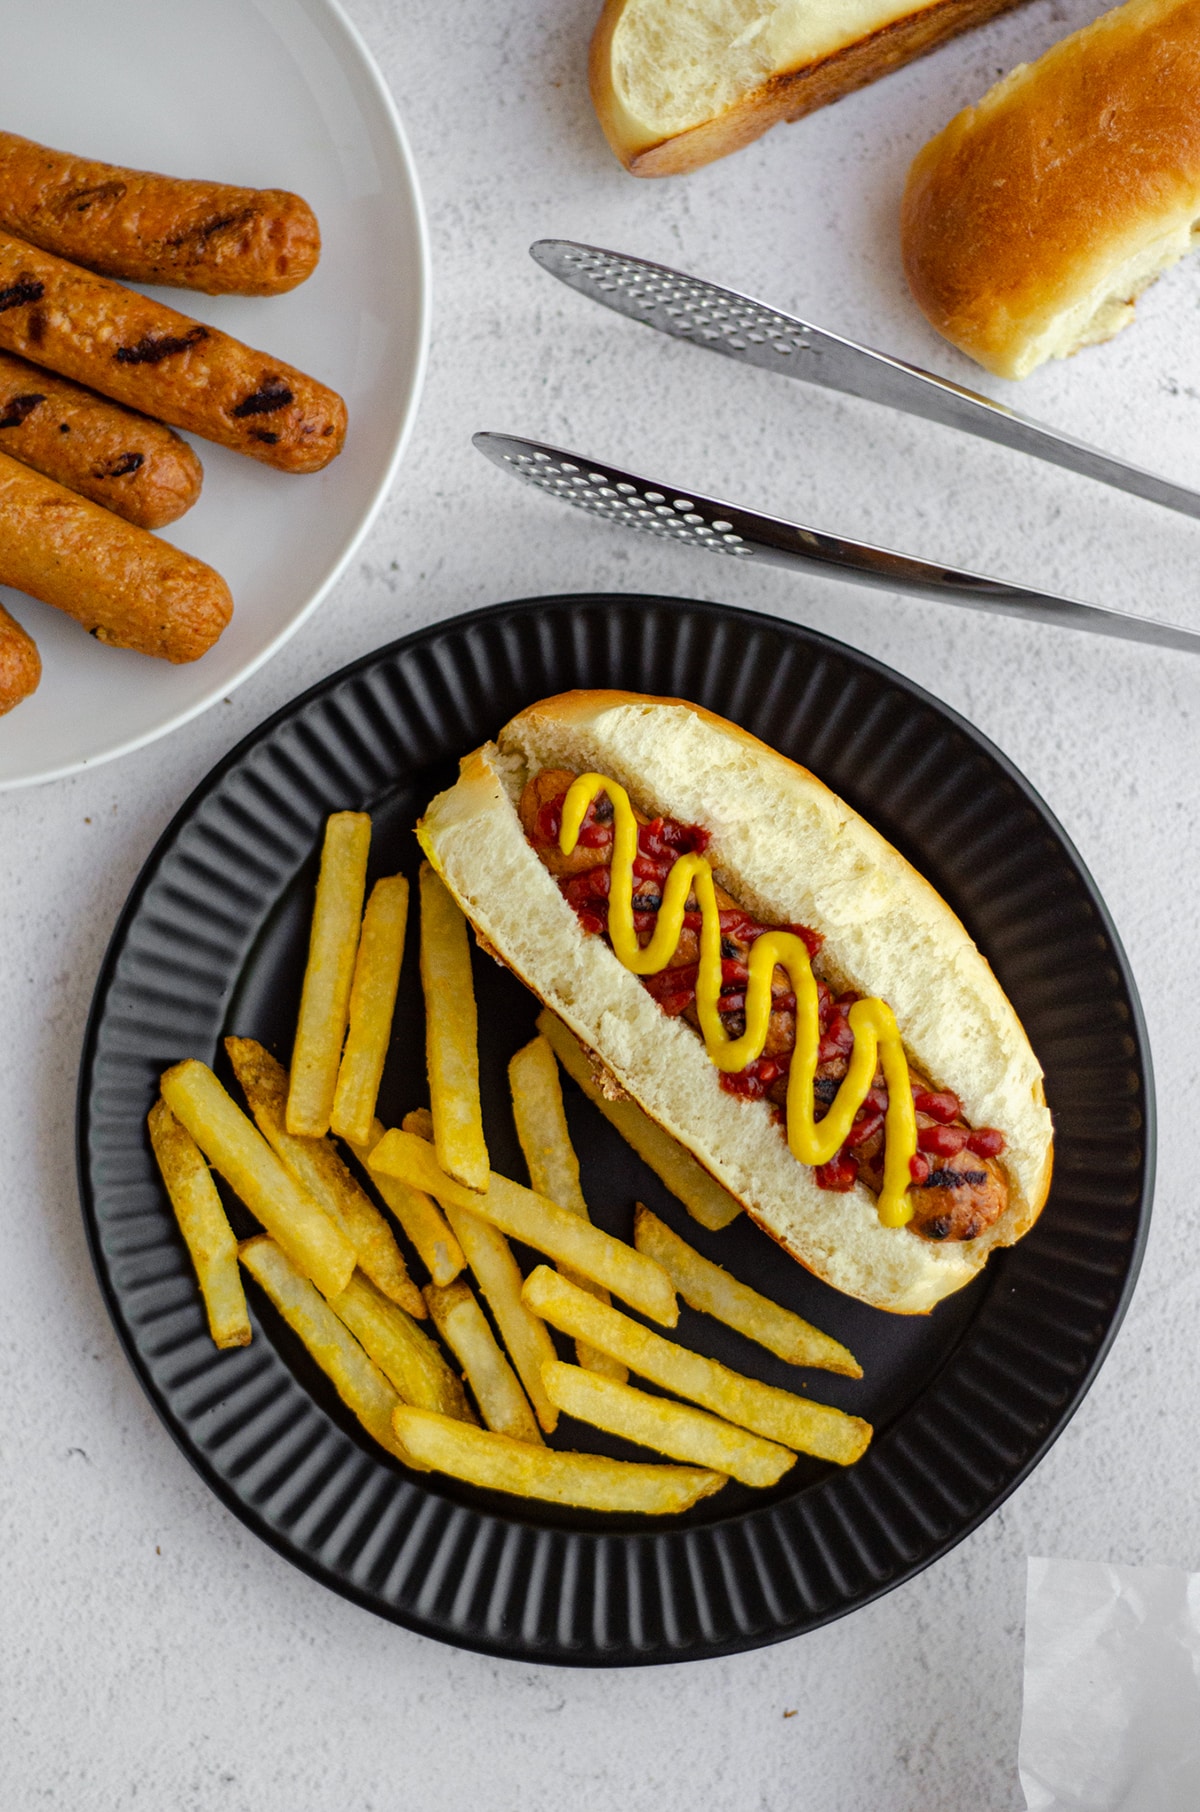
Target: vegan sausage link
[[125, 586], [128, 463], [151, 358], [20, 663], [156, 229]]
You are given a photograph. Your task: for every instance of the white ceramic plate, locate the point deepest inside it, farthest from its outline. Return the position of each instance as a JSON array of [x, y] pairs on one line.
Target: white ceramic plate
[[271, 93]]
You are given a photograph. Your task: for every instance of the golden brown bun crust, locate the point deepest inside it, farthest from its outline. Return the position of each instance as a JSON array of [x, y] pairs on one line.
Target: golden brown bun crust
[[792, 852], [125, 586], [156, 229], [786, 96], [1044, 198], [152, 358], [20, 663], [135, 467]]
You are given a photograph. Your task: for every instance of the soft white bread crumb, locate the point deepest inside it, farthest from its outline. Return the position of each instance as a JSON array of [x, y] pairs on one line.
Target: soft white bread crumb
[[677, 83], [788, 849], [1032, 223]]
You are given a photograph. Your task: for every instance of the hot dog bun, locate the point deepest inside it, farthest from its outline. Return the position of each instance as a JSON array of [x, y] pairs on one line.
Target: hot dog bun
[[1033, 221], [789, 850], [679, 83]]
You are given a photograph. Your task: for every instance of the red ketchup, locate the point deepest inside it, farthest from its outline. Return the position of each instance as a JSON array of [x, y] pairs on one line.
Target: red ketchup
[[660, 843]]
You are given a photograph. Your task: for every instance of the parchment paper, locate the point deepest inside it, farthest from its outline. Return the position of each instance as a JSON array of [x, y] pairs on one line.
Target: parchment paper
[[1111, 1718]]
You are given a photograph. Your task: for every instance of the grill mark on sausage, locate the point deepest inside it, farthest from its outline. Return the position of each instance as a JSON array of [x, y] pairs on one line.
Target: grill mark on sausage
[[78, 201], [20, 409], [25, 289], [264, 434], [120, 466], [204, 230], [152, 348], [954, 1179], [272, 394]]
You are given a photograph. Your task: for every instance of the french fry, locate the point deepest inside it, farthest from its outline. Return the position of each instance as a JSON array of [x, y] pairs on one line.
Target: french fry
[[553, 1167], [420, 1216], [204, 1225], [372, 1004], [523, 1215], [356, 1378], [325, 997], [703, 1197], [464, 1327], [542, 1127], [234, 1145], [405, 1355], [318, 1169], [499, 1277], [776, 1414], [707, 1287], [451, 1036], [676, 1429], [418, 1120], [586, 1480]]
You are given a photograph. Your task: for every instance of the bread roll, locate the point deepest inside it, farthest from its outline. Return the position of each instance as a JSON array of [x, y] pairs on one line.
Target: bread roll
[[790, 852], [679, 83], [1032, 223]]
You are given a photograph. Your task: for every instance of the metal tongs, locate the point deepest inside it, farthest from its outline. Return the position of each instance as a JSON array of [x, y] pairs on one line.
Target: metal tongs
[[687, 308]]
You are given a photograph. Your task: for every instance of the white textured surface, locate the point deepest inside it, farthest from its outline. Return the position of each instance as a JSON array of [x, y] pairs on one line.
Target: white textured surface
[[153, 1653]]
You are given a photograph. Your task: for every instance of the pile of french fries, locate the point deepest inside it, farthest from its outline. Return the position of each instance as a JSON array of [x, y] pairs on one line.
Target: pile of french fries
[[474, 1392]]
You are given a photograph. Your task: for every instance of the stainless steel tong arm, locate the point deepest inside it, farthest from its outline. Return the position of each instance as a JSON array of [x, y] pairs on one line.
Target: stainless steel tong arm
[[724, 321], [675, 513]]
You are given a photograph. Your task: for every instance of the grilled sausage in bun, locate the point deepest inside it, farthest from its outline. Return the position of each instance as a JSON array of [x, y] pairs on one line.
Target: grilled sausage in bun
[[765, 975]]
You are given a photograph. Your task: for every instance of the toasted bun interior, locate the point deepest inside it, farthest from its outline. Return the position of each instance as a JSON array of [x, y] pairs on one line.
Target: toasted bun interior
[[677, 63], [791, 852], [677, 83]]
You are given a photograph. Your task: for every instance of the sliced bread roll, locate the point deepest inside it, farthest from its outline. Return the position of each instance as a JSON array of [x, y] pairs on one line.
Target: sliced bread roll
[[679, 83], [1034, 220], [791, 852]]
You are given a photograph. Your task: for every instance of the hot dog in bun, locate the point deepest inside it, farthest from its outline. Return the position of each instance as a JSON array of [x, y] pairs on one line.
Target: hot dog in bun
[[765, 975]]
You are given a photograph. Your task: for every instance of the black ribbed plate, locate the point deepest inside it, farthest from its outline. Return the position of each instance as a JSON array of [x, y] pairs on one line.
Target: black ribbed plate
[[965, 1401]]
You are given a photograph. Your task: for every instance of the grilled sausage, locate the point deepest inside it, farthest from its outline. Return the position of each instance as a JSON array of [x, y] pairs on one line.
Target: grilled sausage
[[156, 229], [958, 1201], [20, 663], [127, 587], [131, 465], [152, 358]]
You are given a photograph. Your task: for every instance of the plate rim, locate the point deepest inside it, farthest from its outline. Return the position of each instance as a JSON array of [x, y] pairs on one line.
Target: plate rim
[[390, 113], [702, 1648]]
